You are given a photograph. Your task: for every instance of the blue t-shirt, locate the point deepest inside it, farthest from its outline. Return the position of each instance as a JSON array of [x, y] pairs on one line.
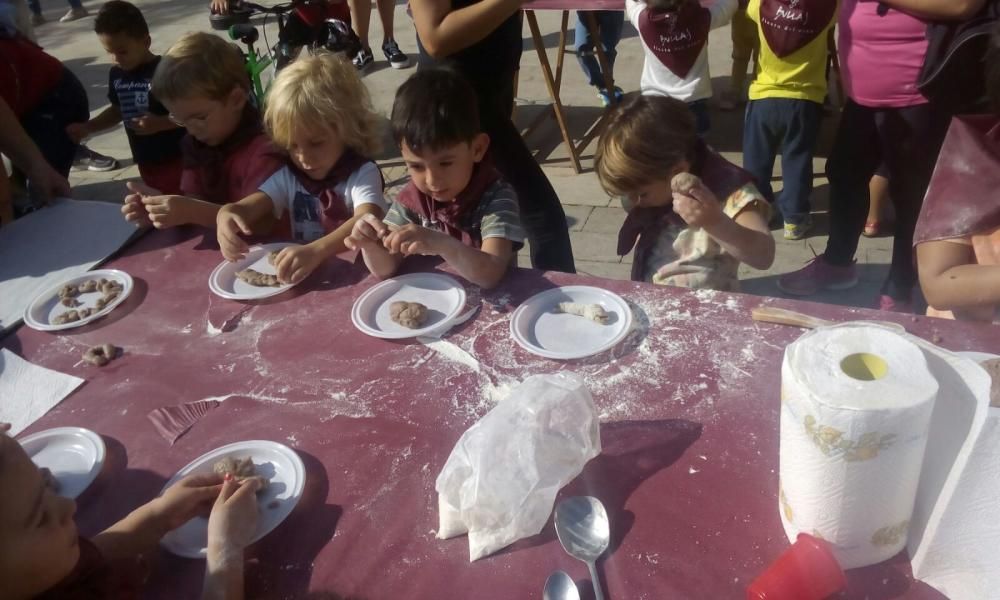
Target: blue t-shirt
[[129, 91]]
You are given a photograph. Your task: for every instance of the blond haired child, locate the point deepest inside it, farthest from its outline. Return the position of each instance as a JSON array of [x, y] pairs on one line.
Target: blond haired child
[[201, 80], [43, 557], [320, 113], [456, 205], [693, 237]]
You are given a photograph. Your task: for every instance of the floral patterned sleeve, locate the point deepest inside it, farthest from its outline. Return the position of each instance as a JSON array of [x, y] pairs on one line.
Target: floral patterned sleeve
[[747, 197]]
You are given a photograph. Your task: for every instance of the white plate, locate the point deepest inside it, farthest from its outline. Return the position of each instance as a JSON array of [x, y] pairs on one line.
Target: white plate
[[223, 281], [443, 296], [286, 478], [73, 454], [46, 306], [978, 356], [540, 330]]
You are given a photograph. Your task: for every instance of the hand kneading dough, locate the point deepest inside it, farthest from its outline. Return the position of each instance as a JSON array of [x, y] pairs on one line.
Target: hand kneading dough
[[594, 312], [272, 257], [408, 314], [992, 367], [256, 278], [682, 183], [100, 355], [241, 469]]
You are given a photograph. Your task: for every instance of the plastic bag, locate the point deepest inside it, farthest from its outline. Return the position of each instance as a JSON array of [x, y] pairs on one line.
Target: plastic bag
[[502, 477]]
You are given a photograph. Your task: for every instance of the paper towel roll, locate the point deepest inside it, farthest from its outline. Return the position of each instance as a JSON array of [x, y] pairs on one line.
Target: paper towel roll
[[855, 413]]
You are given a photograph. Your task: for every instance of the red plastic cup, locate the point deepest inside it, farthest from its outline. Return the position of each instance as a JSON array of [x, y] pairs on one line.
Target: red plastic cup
[[807, 570]]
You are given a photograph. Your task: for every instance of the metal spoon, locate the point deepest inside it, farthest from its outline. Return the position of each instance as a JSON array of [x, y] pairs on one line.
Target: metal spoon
[[584, 532], [560, 586]]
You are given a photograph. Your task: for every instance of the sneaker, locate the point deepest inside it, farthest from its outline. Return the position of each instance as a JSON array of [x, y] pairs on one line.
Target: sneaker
[[364, 59], [73, 14], [798, 231], [890, 304], [395, 56], [608, 98], [818, 275], [88, 160], [37, 20]]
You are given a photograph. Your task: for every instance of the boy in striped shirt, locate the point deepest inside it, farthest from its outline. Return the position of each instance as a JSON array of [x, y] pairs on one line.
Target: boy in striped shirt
[[456, 205]]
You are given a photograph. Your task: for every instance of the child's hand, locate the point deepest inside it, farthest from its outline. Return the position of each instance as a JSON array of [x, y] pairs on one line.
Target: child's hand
[[367, 233], [168, 211], [414, 239], [77, 132], [234, 516], [229, 225], [295, 263], [186, 499], [133, 208], [698, 207], [149, 124]]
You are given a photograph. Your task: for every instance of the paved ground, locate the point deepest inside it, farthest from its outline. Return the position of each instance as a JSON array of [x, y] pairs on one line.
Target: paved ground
[[593, 218]]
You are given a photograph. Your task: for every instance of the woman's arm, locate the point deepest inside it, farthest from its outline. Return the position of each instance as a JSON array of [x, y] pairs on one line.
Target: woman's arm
[[938, 9], [951, 279], [444, 31]]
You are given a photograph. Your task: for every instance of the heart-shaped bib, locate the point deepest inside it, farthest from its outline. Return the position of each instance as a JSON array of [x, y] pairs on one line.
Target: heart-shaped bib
[[790, 25], [676, 37]]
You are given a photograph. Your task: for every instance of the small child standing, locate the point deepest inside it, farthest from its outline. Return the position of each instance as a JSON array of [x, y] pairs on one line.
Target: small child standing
[[154, 139], [746, 49], [456, 205], [694, 235], [675, 39], [786, 101], [202, 82], [319, 112], [609, 31]]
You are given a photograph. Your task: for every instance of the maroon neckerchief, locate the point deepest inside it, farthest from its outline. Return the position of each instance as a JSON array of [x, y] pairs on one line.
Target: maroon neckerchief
[[790, 25], [94, 578], [963, 198], [643, 226], [676, 38], [449, 216], [210, 161], [334, 210]]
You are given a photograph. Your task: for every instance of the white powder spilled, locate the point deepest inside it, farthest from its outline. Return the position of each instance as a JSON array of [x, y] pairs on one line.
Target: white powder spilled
[[451, 352]]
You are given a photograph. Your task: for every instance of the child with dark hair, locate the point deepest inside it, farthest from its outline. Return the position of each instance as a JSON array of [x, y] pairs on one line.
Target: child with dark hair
[[456, 205], [957, 236], [154, 139], [693, 235]]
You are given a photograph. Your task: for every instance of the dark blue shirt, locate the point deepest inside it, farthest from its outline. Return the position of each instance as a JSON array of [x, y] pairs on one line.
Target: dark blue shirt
[[129, 91]]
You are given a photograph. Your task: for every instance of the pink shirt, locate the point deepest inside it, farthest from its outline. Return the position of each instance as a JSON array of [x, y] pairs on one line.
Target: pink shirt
[[881, 55]]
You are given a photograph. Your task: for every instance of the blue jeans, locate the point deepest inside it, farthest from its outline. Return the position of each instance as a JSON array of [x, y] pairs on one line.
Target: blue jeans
[[791, 127], [609, 26], [702, 120], [36, 6]]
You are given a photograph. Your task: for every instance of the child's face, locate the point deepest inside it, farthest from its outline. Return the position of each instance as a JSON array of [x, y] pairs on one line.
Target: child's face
[[657, 192], [38, 538], [443, 174], [126, 51], [315, 151], [209, 121]]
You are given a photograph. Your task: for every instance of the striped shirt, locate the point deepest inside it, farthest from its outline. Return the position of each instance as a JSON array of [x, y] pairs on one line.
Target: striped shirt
[[496, 216]]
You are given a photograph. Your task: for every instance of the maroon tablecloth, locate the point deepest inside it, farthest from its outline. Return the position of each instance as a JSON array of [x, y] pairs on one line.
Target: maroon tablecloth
[[690, 430]]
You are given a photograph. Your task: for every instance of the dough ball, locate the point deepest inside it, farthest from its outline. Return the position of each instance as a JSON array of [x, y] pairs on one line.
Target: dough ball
[[683, 183], [992, 367], [69, 301], [88, 286], [67, 317], [258, 279], [594, 312], [108, 288], [408, 314], [242, 469], [100, 355], [68, 291], [86, 312]]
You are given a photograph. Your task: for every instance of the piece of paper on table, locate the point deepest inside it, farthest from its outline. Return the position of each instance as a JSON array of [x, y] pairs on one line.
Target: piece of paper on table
[[62, 240], [28, 391]]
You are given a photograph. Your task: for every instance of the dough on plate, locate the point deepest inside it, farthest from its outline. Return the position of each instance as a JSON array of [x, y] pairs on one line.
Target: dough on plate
[[70, 302], [100, 355], [109, 287], [272, 257], [408, 314], [241, 469], [67, 317], [992, 367], [68, 291], [256, 278], [594, 312], [88, 286]]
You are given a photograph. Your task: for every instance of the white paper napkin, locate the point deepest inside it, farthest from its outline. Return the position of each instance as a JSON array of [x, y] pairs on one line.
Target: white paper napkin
[[28, 391]]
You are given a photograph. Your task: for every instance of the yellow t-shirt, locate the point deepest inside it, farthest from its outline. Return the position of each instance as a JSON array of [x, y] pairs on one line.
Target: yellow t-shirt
[[800, 75]]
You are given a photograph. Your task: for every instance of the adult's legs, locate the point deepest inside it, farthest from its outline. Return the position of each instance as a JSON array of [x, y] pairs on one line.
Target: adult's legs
[[855, 156], [46, 124], [911, 139], [802, 121]]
